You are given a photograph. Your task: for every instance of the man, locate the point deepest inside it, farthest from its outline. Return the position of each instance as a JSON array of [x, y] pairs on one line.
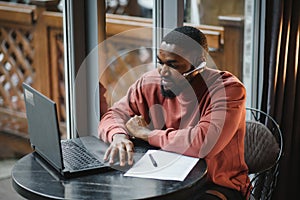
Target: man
[[188, 108]]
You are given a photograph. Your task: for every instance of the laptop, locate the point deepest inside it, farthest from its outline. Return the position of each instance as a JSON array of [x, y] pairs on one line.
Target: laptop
[[70, 157]]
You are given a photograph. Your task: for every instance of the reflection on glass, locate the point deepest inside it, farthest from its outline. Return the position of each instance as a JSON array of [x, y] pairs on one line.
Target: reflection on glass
[[128, 56]]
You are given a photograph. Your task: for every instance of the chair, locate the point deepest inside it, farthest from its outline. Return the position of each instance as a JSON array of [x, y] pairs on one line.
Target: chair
[[263, 150]]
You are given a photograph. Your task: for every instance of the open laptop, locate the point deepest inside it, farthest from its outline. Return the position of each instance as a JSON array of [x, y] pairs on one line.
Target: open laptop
[[45, 139]]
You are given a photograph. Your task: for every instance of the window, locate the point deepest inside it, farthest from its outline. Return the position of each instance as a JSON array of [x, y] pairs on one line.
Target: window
[[130, 41]]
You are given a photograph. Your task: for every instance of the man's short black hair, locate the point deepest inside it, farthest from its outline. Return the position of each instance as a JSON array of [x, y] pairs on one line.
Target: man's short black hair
[[181, 36]]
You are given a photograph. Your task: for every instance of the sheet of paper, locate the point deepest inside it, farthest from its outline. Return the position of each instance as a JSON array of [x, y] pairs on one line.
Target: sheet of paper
[[170, 166]]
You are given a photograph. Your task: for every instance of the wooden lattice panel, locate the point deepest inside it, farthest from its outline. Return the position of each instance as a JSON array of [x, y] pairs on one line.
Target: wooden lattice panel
[[16, 57]]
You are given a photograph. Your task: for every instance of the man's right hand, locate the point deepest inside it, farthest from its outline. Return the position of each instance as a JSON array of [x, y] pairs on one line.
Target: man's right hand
[[120, 146]]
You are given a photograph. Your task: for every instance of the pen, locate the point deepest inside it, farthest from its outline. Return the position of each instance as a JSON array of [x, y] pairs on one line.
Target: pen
[[152, 160]]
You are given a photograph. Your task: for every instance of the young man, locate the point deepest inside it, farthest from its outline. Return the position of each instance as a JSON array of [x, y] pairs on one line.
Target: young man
[[188, 108]]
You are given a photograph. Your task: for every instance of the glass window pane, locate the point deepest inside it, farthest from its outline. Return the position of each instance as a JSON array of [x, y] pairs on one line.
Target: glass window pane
[[207, 11], [127, 49]]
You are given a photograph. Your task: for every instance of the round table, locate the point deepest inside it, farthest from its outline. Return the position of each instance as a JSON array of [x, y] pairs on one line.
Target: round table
[[34, 180]]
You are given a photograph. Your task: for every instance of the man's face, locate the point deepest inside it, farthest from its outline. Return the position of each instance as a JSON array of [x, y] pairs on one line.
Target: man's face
[[171, 67]]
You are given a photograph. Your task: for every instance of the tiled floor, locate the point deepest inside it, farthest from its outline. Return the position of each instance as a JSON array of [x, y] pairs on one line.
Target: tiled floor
[[6, 190]]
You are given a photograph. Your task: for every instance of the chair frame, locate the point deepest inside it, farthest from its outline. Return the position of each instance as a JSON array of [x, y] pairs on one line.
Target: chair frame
[[264, 182]]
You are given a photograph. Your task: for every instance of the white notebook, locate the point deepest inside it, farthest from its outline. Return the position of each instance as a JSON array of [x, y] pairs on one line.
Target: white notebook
[[163, 165]]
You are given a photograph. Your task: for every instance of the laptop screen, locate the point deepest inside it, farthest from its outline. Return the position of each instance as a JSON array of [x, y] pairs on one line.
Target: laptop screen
[[43, 126]]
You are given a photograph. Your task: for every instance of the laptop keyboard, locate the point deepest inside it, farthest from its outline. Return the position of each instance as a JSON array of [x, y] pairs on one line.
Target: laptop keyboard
[[78, 157]]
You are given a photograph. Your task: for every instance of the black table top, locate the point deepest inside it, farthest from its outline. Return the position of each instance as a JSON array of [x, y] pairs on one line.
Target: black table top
[[33, 181]]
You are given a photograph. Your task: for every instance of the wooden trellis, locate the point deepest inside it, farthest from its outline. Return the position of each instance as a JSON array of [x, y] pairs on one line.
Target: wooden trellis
[[31, 51]]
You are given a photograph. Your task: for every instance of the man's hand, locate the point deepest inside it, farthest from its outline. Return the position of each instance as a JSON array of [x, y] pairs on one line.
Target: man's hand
[[121, 146], [137, 128]]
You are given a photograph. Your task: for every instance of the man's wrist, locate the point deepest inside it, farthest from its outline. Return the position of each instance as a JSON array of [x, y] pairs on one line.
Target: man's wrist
[[119, 135]]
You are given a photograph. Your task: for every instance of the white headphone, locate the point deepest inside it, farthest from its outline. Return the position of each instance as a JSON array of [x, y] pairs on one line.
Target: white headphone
[[199, 69]]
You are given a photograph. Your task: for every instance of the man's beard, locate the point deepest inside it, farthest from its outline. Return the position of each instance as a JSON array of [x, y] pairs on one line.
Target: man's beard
[[171, 93], [167, 93]]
